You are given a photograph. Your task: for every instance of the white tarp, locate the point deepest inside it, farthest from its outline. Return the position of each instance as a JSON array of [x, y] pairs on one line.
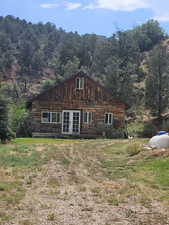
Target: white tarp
[[161, 141]]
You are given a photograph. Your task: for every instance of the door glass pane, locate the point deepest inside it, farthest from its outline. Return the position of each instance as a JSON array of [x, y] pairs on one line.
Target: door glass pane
[[66, 119], [76, 118]]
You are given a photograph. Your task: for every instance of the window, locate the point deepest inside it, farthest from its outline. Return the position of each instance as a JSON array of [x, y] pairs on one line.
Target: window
[[55, 117], [80, 83], [45, 117], [51, 117], [87, 117], [108, 119]]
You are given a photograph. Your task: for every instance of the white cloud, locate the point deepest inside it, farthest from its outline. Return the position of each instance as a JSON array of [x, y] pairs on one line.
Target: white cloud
[[160, 10], [48, 6], [119, 5], [162, 18], [72, 6], [158, 7], [68, 5]]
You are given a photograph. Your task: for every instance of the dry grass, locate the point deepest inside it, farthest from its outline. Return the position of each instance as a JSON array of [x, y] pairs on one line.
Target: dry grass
[[86, 182]]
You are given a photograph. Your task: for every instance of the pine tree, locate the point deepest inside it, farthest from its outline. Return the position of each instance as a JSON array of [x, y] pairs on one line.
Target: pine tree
[[5, 130], [157, 83]]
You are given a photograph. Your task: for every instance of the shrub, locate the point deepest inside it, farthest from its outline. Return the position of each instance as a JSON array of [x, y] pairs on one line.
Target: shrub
[[135, 129], [140, 129], [47, 84], [24, 129], [5, 128], [134, 148], [149, 130], [20, 121], [115, 133], [51, 217]]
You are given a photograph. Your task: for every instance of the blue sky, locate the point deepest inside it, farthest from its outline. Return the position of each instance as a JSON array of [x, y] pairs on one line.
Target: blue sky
[[102, 17]]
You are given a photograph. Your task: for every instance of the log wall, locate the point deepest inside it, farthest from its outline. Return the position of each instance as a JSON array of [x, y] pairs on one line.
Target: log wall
[[92, 98]]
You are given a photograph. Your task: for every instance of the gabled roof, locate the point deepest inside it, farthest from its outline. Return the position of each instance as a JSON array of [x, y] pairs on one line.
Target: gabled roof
[[82, 74], [79, 74]]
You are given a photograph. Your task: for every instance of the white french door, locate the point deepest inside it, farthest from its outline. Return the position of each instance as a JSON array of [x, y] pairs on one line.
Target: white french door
[[71, 122]]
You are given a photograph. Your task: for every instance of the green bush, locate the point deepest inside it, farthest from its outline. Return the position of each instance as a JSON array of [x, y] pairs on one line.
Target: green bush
[[6, 132], [165, 125], [138, 129], [24, 129], [149, 130], [115, 133], [20, 121], [135, 129]]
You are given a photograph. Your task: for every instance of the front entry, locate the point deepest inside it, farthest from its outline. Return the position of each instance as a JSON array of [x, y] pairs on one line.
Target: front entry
[[71, 122]]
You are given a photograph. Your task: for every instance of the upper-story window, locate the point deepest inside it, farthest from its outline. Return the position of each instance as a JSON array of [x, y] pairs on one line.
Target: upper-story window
[[80, 83]]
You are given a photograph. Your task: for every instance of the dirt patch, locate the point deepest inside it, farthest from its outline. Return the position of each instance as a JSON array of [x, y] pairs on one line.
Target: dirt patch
[[162, 153], [40, 148]]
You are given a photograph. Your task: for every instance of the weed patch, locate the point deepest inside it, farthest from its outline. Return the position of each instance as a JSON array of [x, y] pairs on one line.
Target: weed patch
[[134, 148], [11, 192], [160, 171], [20, 156]]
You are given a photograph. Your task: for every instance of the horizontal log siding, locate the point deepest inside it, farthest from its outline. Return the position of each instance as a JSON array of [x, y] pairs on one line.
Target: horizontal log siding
[[92, 98], [98, 116]]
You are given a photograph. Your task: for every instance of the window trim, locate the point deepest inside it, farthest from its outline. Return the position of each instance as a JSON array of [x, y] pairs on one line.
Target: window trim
[[108, 113], [50, 118], [80, 84], [88, 113]]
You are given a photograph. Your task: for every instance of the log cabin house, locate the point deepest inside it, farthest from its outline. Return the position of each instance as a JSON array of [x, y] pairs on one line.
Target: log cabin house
[[78, 107]]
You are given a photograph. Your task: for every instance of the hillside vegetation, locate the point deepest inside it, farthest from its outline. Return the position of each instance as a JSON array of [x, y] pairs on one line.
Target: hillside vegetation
[[106, 182], [132, 64], [36, 55]]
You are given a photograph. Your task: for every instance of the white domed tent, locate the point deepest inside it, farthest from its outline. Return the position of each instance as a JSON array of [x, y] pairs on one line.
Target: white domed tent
[[161, 141]]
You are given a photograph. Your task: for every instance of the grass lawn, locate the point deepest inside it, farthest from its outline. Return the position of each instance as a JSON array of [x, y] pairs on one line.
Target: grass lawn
[[124, 165], [43, 141]]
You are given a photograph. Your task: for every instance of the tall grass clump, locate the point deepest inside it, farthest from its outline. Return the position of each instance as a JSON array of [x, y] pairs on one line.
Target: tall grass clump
[[134, 148]]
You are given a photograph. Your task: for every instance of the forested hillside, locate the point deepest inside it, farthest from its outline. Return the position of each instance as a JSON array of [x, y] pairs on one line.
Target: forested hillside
[[35, 56]]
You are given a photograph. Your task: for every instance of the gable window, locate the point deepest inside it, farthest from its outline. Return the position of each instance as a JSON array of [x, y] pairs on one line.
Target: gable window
[[108, 118], [51, 117], [80, 83], [87, 117]]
